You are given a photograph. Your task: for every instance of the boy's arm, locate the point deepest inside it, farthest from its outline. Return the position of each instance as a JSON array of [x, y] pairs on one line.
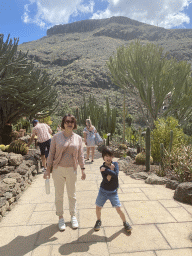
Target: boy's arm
[[106, 178], [114, 172]]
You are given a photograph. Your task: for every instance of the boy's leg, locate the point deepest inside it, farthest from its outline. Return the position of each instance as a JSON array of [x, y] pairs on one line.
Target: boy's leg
[[100, 201], [98, 222], [125, 223], [98, 212], [121, 214]]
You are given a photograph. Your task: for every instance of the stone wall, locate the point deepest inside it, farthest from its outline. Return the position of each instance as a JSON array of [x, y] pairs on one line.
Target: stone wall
[[16, 174]]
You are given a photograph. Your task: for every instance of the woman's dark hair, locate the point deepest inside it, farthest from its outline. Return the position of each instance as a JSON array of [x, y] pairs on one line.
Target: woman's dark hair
[[72, 118], [107, 152]]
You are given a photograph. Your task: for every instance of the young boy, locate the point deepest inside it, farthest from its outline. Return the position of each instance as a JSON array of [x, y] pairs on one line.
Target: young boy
[[108, 189]]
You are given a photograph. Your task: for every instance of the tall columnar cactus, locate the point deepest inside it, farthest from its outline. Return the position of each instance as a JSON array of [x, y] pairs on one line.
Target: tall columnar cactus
[[162, 155], [171, 141], [77, 115], [148, 150], [113, 120], [102, 117]]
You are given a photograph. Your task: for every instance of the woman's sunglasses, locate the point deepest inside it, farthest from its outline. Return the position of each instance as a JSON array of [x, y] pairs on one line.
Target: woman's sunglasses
[[70, 122]]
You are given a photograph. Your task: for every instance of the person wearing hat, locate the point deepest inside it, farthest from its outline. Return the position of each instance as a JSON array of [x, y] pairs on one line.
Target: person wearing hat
[[43, 133]]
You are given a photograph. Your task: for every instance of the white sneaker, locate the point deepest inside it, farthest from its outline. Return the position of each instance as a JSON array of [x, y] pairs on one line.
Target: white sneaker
[[74, 222], [61, 224]]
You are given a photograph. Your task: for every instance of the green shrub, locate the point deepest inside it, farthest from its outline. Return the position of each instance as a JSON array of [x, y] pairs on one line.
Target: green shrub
[[79, 130], [18, 147], [161, 134], [141, 157]]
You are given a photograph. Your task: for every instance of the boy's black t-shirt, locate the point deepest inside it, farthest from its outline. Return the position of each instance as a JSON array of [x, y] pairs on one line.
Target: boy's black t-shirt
[[113, 184]]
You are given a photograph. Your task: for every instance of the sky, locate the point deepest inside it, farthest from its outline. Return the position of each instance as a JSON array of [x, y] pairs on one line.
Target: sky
[[29, 20]]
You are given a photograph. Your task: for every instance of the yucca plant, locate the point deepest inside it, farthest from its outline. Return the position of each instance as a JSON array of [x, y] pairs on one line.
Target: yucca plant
[[18, 147], [179, 163]]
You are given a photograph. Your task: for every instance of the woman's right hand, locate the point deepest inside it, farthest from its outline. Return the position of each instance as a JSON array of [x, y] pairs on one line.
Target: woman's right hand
[[46, 175]]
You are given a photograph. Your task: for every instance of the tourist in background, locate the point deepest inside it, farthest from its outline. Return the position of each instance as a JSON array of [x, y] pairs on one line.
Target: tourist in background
[[66, 152], [58, 128], [43, 133], [89, 138]]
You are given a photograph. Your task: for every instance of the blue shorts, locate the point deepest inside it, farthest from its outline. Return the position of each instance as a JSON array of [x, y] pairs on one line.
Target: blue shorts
[[104, 195]]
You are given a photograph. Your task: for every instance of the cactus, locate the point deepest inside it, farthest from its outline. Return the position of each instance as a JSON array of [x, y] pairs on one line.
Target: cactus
[[18, 147], [148, 150], [123, 146], [2, 147], [141, 158], [171, 141], [162, 155], [6, 148]]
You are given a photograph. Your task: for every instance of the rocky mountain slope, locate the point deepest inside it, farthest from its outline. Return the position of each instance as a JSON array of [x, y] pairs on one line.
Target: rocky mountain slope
[[76, 55]]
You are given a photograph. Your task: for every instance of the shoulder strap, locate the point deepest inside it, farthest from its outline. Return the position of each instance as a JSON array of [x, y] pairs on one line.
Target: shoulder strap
[[67, 146]]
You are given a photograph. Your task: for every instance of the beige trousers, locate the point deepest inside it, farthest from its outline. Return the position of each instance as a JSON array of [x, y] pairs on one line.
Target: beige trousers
[[63, 175]]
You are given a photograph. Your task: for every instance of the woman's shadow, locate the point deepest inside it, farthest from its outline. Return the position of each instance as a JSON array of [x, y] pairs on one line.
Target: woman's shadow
[[83, 243], [21, 245]]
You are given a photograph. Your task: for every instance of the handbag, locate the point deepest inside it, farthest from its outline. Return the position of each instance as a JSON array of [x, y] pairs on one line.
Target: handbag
[[98, 139]]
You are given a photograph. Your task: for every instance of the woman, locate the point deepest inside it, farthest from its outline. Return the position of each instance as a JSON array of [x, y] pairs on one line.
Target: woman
[[89, 138], [66, 152]]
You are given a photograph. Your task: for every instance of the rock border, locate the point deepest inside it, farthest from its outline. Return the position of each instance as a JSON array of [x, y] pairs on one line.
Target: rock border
[[16, 174], [183, 191]]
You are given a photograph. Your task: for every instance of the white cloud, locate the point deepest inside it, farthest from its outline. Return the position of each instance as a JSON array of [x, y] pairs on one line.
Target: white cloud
[[164, 13], [53, 12]]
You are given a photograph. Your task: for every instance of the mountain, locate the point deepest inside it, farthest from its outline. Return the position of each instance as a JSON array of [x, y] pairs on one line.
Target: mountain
[[76, 55]]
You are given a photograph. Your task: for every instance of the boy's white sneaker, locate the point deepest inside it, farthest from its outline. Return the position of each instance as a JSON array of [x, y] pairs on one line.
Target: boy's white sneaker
[[74, 222], [61, 224]]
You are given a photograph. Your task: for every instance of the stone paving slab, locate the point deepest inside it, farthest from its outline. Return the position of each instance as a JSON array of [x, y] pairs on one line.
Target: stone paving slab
[[146, 212], [178, 235], [142, 238], [161, 225], [177, 252], [81, 249]]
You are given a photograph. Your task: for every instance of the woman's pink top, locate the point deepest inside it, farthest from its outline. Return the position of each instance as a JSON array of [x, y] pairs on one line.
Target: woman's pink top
[[60, 154]]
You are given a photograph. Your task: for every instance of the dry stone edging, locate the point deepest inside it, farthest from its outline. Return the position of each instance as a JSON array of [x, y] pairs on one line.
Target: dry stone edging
[[154, 179], [183, 191], [16, 174]]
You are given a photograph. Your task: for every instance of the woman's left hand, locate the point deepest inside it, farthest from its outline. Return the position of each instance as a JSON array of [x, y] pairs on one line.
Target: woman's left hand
[[83, 176]]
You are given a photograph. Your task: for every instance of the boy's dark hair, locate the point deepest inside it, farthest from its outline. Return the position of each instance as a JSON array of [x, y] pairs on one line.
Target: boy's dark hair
[[107, 152]]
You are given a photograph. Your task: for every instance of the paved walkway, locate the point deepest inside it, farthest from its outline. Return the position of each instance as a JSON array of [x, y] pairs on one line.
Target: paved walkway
[[161, 226]]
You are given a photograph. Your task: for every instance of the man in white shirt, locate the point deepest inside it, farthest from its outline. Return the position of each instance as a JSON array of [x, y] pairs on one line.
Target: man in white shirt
[[43, 133]]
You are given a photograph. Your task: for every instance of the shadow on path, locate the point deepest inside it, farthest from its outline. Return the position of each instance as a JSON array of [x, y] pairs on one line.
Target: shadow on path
[[83, 243], [21, 245]]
